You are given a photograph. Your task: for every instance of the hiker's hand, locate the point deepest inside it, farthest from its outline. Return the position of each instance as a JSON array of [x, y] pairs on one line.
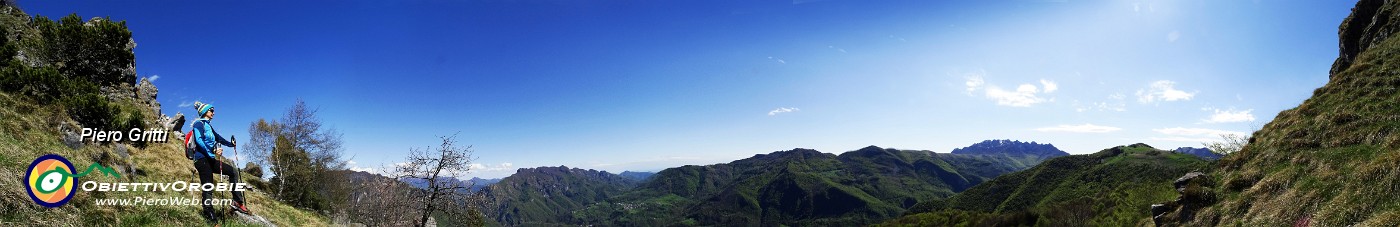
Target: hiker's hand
[[219, 151]]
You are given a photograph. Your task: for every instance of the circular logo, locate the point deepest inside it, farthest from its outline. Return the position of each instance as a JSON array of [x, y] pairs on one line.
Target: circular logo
[[47, 180]]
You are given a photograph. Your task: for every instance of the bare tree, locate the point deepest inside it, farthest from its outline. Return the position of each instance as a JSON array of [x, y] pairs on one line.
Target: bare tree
[[434, 167], [383, 201], [1230, 143]]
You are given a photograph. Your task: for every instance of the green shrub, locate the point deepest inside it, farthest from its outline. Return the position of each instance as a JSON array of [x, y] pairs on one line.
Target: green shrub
[[97, 52], [134, 119], [92, 111], [44, 84]]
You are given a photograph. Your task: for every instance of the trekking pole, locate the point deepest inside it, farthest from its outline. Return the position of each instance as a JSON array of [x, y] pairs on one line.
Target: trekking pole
[[235, 153], [215, 177], [218, 163]]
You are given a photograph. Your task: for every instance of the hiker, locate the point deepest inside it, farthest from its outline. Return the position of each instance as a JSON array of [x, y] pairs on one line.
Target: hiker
[[206, 159]]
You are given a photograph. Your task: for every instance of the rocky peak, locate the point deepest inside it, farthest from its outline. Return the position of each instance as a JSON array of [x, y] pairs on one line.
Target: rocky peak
[[1011, 147], [1371, 22], [146, 95]]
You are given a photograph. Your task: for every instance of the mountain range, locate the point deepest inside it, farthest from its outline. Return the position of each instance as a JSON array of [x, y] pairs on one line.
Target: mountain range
[[792, 187]]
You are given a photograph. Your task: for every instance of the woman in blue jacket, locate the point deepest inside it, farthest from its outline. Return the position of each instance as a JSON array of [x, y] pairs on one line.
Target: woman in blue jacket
[[206, 159]]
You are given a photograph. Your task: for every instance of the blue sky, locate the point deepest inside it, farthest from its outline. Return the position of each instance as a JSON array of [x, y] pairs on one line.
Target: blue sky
[[646, 85]]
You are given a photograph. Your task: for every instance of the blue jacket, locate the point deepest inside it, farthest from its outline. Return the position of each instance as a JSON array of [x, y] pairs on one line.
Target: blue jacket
[[205, 138]]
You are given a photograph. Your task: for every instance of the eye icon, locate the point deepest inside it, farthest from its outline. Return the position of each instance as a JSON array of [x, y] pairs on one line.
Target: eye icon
[[51, 181], [48, 181]]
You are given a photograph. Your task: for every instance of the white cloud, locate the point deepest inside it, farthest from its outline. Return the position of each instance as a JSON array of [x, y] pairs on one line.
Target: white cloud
[[355, 166], [1084, 128], [153, 78], [1023, 96], [1104, 106], [782, 110], [186, 104], [1173, 36], [780, 60], [1050, 86], [1229, 116], [974, 82], [1163, 90], [504, 166], [1115, 103], [1205, 132], [1078, 107]]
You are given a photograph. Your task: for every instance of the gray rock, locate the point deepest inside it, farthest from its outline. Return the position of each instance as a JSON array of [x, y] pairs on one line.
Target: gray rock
[[72, 139], [177, 123], [146, 95], [1159, 211], [254, 219], [117, 92], [1368, 25], [1185, 180], [122, 151]]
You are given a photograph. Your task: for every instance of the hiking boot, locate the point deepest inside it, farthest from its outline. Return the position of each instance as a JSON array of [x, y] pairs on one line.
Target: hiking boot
[[211, 217], [241, 208]]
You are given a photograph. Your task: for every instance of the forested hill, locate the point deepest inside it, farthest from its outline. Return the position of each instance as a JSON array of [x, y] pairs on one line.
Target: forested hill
[[792, 187]]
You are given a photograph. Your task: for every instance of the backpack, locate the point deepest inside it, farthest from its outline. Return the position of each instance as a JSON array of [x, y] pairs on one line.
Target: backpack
[[190, 147]]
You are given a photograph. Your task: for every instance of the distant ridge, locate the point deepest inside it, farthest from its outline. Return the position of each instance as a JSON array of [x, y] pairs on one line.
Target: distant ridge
[[1011, 147], [1204, 153]]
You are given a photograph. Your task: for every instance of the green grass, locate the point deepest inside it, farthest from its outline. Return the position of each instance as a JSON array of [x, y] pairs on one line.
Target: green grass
[[31, 130], [1113, 187], [1331, 161]]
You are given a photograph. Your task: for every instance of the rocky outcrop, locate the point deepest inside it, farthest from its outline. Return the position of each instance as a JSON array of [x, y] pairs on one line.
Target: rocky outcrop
[[1196, 193], [146, 95], [1371, 22], [176, 123]]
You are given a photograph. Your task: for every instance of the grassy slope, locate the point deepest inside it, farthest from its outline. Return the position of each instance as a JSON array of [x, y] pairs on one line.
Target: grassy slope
[[31, 131], [1109, 188], [1331, 161]]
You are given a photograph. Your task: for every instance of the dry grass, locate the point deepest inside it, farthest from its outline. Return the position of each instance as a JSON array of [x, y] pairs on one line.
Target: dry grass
[[32, 130], [1331, 161]]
